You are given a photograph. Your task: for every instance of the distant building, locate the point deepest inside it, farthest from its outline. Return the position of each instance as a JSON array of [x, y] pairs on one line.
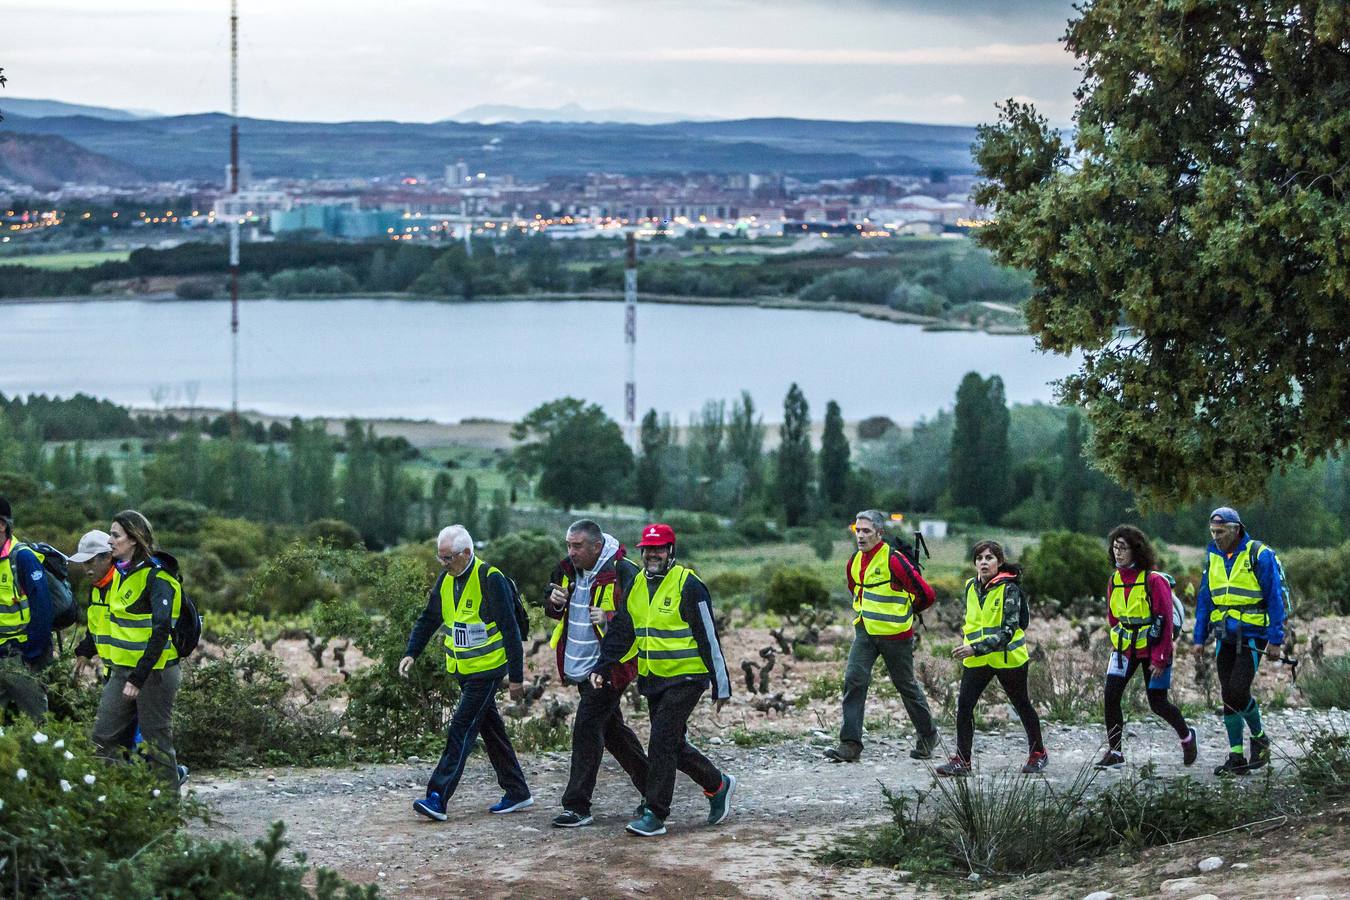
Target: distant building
[[250, 205], [338, 221]]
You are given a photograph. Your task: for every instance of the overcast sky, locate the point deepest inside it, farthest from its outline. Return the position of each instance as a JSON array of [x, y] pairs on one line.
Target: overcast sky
[[945, 61]]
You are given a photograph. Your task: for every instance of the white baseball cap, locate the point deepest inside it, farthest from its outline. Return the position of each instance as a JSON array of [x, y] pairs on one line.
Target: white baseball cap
[[91, 545]]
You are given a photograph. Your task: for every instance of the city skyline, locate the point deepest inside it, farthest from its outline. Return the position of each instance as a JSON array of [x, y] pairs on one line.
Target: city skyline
[[895, 60]]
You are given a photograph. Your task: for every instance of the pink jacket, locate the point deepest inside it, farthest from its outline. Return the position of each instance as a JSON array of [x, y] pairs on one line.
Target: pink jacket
[[1159, 655]]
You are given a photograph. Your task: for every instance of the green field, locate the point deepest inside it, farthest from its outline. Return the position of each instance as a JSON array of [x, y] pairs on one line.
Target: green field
[[66, 261]]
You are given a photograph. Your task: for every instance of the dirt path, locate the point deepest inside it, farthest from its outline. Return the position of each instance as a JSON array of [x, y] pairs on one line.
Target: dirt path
[[790, 803]]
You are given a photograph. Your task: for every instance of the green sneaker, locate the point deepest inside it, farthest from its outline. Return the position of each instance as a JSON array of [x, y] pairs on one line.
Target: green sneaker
[[719, 804], [646, 826]]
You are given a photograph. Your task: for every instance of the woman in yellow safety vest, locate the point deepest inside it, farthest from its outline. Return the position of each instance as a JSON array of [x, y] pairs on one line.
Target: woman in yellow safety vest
[[1139, 621], [144, 601], [993, 646]]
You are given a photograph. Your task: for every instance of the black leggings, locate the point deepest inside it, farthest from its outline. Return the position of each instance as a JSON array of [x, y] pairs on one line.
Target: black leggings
[[1236, 664], [973, 682], [1157, 701]]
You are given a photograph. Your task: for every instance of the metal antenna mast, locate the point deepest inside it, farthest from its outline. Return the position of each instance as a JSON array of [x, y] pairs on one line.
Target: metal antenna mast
[[630, 340], [233, 189]]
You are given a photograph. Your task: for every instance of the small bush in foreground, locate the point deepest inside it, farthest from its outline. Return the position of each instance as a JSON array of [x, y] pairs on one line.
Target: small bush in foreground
[[1328, 685]]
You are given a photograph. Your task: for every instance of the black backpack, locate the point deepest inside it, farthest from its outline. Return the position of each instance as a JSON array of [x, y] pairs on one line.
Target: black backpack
[[522, 614], [57, 569], [912, 552], [187, 631]]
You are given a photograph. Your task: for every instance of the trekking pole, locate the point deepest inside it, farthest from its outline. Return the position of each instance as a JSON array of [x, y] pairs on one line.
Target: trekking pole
[[1292, 663]]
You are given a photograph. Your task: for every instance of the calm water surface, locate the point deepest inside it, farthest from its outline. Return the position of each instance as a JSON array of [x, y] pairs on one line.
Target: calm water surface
[[446, 362]]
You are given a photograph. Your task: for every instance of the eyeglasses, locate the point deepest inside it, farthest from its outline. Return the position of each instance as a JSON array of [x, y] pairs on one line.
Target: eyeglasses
[[447, 557], [1120, 545]]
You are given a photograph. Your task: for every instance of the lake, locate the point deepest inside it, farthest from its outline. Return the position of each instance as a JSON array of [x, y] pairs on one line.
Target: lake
[[450, 361]]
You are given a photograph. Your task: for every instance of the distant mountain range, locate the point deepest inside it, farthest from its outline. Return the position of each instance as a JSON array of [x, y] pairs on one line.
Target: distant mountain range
[[48, 161], [493, 114], [195, 146], [41, 109]]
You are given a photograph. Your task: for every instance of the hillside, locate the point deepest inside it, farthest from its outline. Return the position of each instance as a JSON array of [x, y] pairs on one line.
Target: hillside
[[45, 160], [195, 146]]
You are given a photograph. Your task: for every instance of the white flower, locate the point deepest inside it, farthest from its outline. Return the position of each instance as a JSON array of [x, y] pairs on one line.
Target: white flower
[[65, 786], [155, 792], [102, 797], [39, 738], [90, 779], [59, 744], [22, 774], [69, 755]]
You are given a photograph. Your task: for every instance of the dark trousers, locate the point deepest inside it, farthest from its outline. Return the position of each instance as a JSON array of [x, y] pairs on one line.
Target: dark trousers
[[599, 726], [973, 682], [19, 685], [152, 707], [1236, 664], [899, 659], [476, 714], [1157, 701], [668, 751]]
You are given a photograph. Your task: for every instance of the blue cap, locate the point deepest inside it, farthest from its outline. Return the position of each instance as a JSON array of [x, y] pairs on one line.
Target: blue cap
[[1225, 515]]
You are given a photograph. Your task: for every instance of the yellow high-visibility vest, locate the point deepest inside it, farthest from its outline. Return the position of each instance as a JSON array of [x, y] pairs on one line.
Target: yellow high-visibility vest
[[1236, 592], [1133, 612], [130, 619], [472, 645], [665, 642], [985, 619], [882, 608]]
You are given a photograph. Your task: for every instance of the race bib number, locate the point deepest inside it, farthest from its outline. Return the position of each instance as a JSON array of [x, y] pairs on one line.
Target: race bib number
[[468, 635], [1116, 664]]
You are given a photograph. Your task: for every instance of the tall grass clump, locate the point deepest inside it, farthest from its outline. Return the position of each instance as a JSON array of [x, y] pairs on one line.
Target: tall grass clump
[[1327, 686]]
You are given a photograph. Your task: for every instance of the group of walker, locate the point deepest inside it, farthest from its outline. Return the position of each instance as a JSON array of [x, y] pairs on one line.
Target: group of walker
[[1240, 602], [620, 622], [135, 601]]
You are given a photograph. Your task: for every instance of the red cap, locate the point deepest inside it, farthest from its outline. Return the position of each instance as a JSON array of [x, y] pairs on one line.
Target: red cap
[[657, 535]]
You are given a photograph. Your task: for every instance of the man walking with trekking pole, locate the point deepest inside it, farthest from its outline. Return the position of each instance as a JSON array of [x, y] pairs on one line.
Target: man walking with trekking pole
[[887, 593]]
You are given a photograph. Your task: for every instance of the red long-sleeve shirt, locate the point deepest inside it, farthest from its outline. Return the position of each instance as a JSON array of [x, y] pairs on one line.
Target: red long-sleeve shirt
[[904, 577], [1158, 656]]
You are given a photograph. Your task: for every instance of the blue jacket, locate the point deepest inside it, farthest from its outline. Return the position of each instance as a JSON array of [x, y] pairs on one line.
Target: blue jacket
[[1267, 574], [31, 577]]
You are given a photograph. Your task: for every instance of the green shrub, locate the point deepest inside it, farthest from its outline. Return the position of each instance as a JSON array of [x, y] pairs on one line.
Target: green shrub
[[1319, 580], [333, 532], [182, 517], [731, 583], [791, 591], [1066, 573], [65, 815], [539, 735], [238, 543], [245, 696], [527, 557], [1327, 686], [188, 869], [1323, 763], [375, 600]]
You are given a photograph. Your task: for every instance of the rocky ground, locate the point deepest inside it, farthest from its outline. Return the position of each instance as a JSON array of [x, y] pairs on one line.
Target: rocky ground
[[790, 804]]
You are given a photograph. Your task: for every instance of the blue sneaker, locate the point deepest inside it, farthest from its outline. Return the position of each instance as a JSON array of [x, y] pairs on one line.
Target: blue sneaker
[[507, 805], [431, 806], [647, 825], [719, 804], [182, 774]]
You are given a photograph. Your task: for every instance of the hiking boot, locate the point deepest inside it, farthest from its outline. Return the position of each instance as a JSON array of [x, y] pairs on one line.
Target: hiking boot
[[924, 748], [719, 804], [431, 806], [1111, 760], [1190, 749], [507, 805], [847, 751], [1260, 753], [1037, 762], [956, 767], [1236, 764], [570, 819], [647, 825]]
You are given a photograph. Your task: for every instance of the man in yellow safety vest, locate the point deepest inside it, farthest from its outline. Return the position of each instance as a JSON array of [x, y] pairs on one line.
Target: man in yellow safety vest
[[472, 608]]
